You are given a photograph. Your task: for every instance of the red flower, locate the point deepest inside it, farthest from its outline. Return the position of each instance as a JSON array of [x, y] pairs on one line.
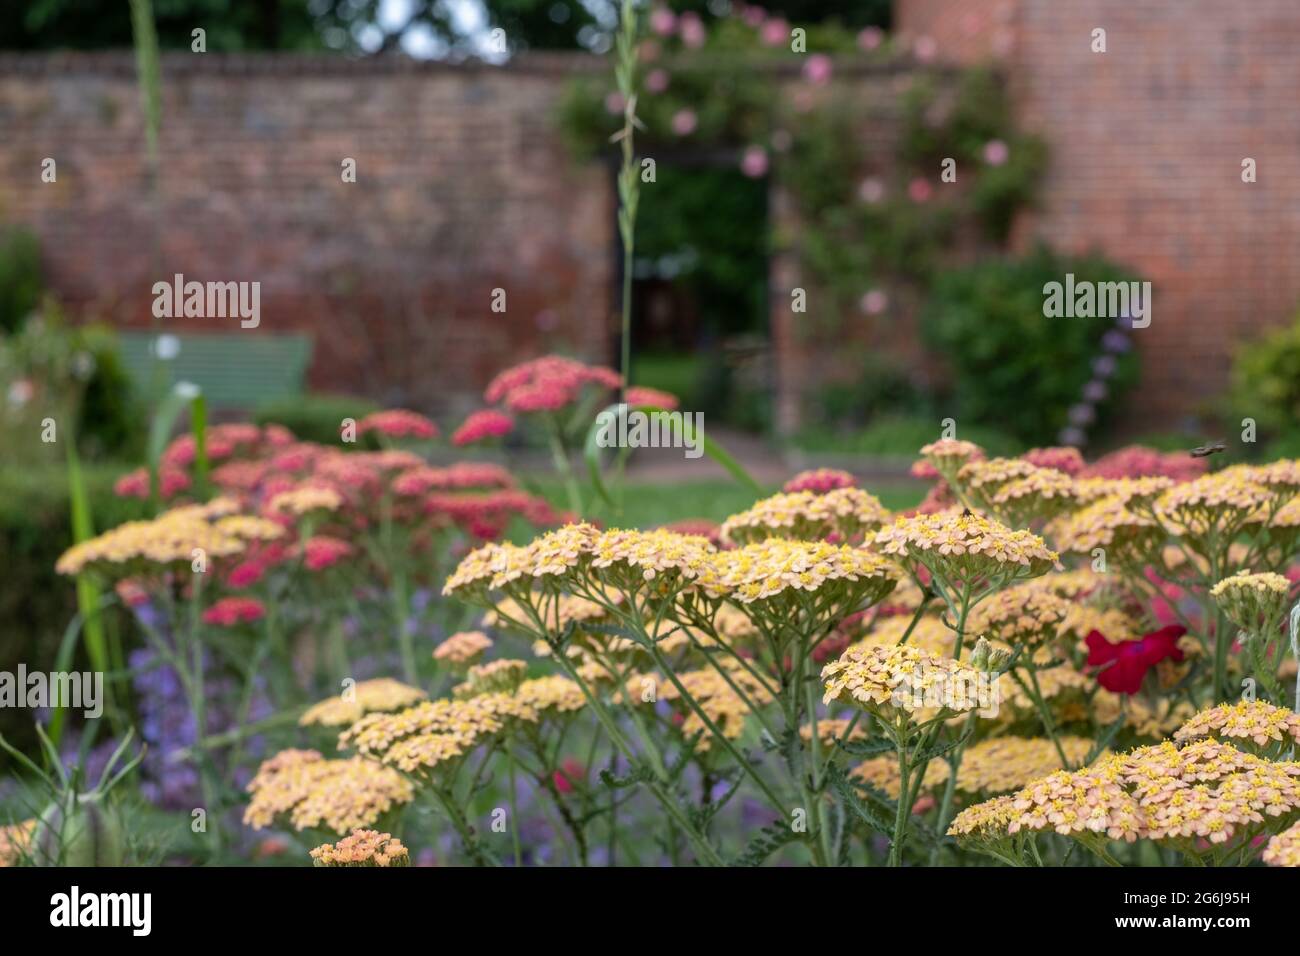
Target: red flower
[[398, 423], [1123, 666], [321, 551], [571, 772], [640, 396], [234, 610], [481, 425], [820, 481]]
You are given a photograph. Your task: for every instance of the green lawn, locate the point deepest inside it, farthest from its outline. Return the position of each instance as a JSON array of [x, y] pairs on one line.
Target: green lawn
[[648, 505]]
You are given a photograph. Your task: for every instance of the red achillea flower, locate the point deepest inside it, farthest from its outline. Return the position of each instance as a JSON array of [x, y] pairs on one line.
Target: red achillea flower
[[1063, 459], [398, 423], [322, 551], [482, 425], [640, 396], [460, 476], [1124, 665], [1137, 461], [277, 436], [938, 498], [547, 384], [487, 515], [570, 774], [820, 481], [230, 611], [298, 457], [246, 574], [171, 481], [239, 476]]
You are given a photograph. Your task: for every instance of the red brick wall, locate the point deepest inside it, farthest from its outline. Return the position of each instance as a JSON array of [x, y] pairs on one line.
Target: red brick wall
[[1147, 142], [461, 187]]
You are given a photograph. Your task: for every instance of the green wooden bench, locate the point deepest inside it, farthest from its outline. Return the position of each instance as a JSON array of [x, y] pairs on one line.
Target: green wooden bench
[[235, 370]]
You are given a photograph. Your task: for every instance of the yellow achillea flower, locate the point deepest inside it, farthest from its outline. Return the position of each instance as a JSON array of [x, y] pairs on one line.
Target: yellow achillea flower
[[829, 731], [882, 774], [1091, 800], [495, 677], [1284, 849], [337, 795], [560, 612], [304, 500], [1023, 616], [250, 528], [485, 569], [847, 513], [773, 572], [1219, 504], [16, 841], [886, 680], [362, 848], [1256, 721], [717, 698], [381, 694], [1001, 764], [1042, 493], [947, 455], [985, 822], [960, 546], [984, 478], [1107, 523], [1135, 490], [136, 546], [1145, 718], [463, 648], [929, 634], [1253, 601]]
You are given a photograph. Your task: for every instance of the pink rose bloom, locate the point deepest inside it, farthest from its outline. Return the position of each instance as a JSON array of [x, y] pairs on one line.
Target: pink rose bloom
[[754, 162], [817, 70], [656, 81], [925, 48], [919, 190], [996, 152], [870, 39], [871, 190], [875, 302], [684, 122], [775, 32], [691, 29], [663, 21]]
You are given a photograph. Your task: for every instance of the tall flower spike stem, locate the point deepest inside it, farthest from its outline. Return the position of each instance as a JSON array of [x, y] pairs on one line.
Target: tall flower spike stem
[[1295, 648], [625, 56]]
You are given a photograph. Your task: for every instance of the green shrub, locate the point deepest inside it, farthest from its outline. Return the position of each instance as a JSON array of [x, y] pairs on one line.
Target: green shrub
[[1008, 362], [1265, 383], [20, 277], [315, 416], [36, 604]]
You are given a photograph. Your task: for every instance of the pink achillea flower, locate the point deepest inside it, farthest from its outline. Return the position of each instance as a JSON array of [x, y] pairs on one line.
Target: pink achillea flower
[[322, 551], [639, 395], [135, 484], [699, 528], [398, 423], [820, 480], [1137, 461], [547, 384], [231, 611], [1063, 459], [458, 477], [753, 163], [482, 425], [818, 69]]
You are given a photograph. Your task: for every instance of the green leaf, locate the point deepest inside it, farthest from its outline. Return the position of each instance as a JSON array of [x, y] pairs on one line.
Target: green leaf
[[184, 395], [770, 839], [841, 785]]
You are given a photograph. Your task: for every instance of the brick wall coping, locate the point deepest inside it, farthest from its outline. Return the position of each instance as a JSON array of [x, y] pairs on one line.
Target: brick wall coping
[[122, 63]]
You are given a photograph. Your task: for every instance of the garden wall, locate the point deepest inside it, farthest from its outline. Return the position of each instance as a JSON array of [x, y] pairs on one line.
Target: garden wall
[[461, 188], [1146, 144]]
